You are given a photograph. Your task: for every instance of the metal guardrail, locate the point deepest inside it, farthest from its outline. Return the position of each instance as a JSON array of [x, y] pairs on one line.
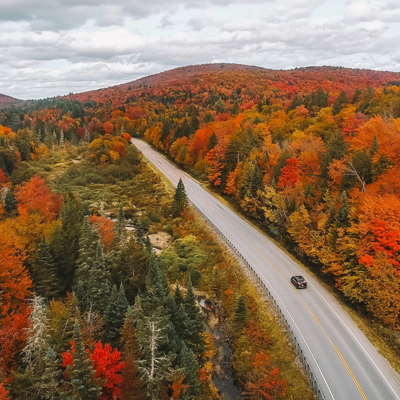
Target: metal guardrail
[[300, 352]]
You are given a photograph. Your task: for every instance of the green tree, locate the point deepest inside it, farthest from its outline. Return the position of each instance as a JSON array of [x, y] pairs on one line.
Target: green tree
[[190, 368], [240, 317], [49, 385], [342, 216], [84, 386], [44, 272], [65, 240], [339, 103], [180, 201], [10, 204]]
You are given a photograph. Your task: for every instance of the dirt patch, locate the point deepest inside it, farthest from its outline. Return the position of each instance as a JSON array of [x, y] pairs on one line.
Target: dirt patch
[[161, 240]]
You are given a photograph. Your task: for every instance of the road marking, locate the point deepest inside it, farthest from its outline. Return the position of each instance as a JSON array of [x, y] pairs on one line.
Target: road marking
[[266, 242]]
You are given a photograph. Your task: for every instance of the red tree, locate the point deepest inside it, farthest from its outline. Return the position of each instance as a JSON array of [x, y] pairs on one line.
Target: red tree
[[290, 174]]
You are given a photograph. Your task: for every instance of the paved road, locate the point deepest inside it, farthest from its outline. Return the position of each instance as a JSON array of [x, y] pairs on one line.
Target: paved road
[[345, 364]]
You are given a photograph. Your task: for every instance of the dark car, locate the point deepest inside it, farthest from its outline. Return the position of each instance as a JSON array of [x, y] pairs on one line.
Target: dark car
[[299, 282]]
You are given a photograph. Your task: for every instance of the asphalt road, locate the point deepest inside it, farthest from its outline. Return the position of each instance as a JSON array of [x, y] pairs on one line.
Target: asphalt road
[[344, 362]]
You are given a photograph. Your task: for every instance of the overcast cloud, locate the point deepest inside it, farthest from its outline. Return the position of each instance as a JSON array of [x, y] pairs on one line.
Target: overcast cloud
[[60, 46]]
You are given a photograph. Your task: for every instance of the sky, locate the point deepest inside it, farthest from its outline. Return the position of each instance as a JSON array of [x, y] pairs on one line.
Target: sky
[[55, 47]]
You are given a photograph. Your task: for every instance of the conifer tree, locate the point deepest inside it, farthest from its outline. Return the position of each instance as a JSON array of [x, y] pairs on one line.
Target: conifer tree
[[178, 298], [120, 235], [98, 284], [44, 272], [240, 318], [190, 368], [49, 385], [37, 342], [342, 216], [10, 204], [140, 233], [115, 315], [83, 383], [195, 340], [374, 146], [131, 388], [180, 200], [65, 240], [155, 364]]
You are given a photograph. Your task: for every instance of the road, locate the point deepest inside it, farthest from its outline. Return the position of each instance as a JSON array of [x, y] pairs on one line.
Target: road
[[344, 362]]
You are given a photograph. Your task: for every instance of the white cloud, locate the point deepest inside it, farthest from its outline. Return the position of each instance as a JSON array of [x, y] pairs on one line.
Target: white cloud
[[61, 46]]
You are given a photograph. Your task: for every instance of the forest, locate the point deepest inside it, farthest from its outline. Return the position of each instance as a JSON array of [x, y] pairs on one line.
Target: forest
[[311, 155]]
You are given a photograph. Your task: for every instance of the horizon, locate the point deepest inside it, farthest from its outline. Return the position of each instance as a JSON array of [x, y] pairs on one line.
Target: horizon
[[196, 65], [56, 48]]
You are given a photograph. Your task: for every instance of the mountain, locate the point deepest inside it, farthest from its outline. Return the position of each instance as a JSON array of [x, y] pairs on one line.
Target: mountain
[[6, 100], [255, 79]]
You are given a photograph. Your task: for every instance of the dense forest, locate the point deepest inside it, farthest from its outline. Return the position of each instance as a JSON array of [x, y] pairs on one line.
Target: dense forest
[[312, 155]]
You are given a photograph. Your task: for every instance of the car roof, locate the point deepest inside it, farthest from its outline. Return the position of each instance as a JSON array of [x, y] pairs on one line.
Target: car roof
[[299, 277]]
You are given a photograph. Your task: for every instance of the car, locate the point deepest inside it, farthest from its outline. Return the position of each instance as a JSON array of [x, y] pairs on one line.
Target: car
[[298, 281]]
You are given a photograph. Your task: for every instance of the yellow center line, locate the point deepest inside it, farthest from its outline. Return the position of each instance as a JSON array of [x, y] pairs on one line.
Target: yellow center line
[[314, 316]]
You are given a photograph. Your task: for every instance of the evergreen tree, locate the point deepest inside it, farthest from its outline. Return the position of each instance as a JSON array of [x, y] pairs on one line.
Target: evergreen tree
[[115, 315], [36, 346], [240, 318], [44, 272], [131, 388], [49, 385], [374, 146], [10, 204], [342, 216], [190, 368], [195, 340], [152, 334], [140, 233], [65, 240], [120, 234], [178, 298], [98, 284], [83, 383], [339, 103], [180, 200]]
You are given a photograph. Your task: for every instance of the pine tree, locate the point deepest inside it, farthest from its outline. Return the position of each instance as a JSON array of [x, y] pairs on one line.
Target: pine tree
[[98, 284], [84, 385], [240, 318], [374, 146], [44, 272], [140, 233], [10, 204], [65, 240], [342, 216], [190, 368], [115, 315], [195, 340], [131, 388], [180, 201], [178, 298], [152, 334], [36, 346], [120, 234], [338, 104], [49, 385]]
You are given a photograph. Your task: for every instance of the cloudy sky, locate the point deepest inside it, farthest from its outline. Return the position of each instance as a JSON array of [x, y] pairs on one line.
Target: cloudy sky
[[54, 47]]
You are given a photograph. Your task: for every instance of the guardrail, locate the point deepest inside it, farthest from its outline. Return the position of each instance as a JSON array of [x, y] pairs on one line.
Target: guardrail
[[300, 352]]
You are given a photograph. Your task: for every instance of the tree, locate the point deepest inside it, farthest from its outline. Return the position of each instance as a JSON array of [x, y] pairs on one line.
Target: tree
[[44, 272], [10, 204], [49, 384], [152, 334], [98, 285], [180, 201], [106, 362], [79, 370], [65, 240], [195, 340], [240, 318], [4, 393], [114, 316], [131, 387]]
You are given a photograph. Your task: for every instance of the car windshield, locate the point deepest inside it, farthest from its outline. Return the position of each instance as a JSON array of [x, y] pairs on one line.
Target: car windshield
[[300, 278]]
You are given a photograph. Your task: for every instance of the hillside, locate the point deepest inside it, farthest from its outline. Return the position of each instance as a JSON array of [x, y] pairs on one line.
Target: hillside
[[6, 100], [201, 78]]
